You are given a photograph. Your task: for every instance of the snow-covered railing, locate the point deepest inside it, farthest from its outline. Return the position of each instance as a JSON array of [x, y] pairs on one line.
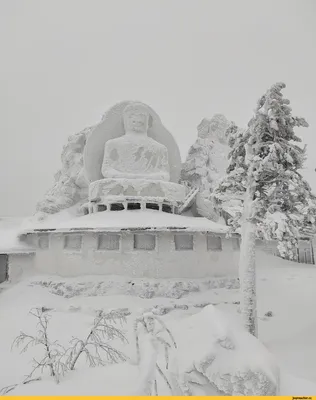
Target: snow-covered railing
[[189, 199], [121, 203]]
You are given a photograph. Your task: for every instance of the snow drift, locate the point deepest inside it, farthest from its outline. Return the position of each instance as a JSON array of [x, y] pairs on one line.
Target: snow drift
[[213, 352]]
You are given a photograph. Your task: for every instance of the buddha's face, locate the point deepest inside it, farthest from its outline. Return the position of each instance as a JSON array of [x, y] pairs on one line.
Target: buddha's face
[[136, 122]]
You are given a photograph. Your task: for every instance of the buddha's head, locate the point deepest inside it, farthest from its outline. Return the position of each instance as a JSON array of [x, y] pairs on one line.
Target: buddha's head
[[137, 118]]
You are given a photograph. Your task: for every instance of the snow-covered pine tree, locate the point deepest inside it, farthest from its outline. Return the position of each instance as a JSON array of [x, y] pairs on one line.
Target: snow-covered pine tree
[[296, 200], [264, 170], [229, 194]]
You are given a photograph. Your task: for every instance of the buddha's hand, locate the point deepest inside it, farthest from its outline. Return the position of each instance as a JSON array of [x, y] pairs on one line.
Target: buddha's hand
[[111, 173]]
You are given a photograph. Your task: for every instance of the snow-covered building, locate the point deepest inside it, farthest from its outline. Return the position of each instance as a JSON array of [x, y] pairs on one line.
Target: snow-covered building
[[130, 224], [16, 256], [138, 243]]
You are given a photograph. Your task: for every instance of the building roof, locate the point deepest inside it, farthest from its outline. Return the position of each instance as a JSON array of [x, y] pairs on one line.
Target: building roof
[[10, 243], [128, 220]]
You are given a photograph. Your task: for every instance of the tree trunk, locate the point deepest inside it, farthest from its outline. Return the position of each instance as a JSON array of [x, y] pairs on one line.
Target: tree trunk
[[247, 269]]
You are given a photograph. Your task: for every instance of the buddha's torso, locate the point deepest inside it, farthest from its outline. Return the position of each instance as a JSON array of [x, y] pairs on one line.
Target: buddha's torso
[[135, 155]]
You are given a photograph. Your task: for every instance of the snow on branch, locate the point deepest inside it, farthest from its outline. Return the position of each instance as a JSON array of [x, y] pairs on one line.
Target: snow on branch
[[154, 326], [96, 346]]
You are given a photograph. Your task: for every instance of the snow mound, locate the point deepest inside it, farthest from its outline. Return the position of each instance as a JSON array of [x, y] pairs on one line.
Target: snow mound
[[293, 386], [98, 381], [41, 220], [214, 350]]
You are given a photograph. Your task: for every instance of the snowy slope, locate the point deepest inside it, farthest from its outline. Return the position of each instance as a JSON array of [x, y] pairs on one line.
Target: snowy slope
[[287, 289]]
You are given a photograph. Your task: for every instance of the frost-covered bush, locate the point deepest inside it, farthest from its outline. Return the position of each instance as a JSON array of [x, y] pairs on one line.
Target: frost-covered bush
[[141, 377], [57, 359], [144, 288]]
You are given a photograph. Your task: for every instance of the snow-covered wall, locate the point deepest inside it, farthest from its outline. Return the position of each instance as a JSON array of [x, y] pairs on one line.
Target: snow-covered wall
[[20, 266], [73, 256]]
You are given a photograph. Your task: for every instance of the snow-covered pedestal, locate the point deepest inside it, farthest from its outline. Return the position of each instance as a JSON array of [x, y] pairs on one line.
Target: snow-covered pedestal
[[130, 193]]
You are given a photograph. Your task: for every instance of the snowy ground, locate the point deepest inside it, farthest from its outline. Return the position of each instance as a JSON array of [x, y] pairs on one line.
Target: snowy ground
[[286, 289]]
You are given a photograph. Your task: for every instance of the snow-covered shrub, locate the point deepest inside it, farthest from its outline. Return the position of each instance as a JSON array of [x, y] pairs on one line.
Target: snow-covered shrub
[[268, 314], [58, 359], [53, 357], [144, 288], [96, 346]]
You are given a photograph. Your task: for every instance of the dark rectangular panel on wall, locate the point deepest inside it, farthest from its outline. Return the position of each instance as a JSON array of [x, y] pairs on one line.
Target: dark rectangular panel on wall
[[214, 243], [73, 242], [3, 267], [236, 243], [183, 241], [144, 241], [108, 241]]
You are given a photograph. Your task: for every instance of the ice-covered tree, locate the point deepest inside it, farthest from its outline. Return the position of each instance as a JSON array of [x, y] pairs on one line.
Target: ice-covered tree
[[293, 198], [229, 193], [203, 165], [70, 185], [232, 133], [195, 168], [264, 173]]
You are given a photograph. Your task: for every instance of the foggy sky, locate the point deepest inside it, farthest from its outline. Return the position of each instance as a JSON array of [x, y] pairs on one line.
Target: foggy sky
[[64, 62]]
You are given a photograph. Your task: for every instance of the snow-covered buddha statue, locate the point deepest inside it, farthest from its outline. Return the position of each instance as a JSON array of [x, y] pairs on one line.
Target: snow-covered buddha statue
[[135, 155], [132, 161]]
